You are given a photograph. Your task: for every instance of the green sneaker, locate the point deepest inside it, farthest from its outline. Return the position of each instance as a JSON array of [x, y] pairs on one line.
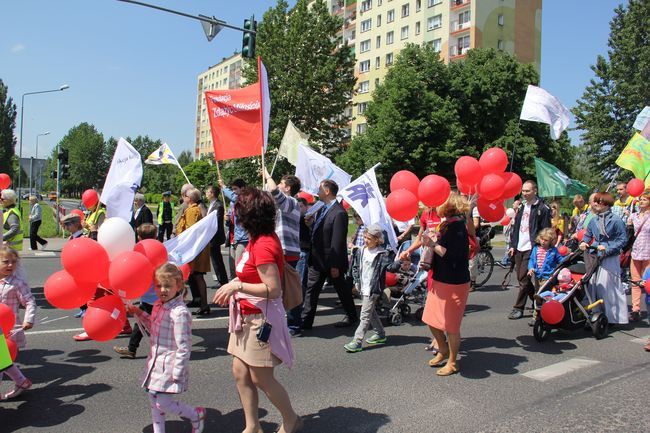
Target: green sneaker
[[376, 339], [353, 347]]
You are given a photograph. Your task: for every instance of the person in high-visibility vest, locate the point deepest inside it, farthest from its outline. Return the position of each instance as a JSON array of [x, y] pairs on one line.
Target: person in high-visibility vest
[[166, 215], [12, 233], [95, 220]]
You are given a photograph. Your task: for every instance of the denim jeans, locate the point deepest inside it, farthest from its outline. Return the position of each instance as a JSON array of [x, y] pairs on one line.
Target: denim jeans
[[294, 320]]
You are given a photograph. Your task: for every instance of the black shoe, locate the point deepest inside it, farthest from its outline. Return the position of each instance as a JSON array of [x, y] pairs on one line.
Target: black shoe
[[345, 323], [295, 332], [194, 303], [202, 312], [516, 314]]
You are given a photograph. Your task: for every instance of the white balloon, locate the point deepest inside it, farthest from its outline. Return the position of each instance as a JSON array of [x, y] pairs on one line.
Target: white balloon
[[510, 212], [116, 236]]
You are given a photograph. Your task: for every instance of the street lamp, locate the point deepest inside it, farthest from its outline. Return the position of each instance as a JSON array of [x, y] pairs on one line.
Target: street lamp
[[22, 111], [32, 184], [39, 135]]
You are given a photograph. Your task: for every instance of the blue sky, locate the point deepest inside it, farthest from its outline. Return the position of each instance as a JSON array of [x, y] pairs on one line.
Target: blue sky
[[133, 70]]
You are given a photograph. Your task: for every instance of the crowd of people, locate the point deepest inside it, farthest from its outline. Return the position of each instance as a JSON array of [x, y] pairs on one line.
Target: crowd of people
[[267, 230]]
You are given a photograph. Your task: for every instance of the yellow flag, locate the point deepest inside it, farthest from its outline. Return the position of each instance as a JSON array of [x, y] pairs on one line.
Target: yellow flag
[[636, 157]]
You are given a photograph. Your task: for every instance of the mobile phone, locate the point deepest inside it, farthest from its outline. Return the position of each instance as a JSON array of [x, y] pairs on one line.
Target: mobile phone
[[264, 332]]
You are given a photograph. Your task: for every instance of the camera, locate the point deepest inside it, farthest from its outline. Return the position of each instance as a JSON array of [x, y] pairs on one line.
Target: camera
[[264, 332]]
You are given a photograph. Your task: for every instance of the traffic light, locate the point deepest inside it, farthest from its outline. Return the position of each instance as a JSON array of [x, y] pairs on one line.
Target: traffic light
[[248, 40], [65, 171], [63, 156], [53, 174]]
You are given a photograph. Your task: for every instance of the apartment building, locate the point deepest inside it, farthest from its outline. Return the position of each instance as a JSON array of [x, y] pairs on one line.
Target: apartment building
[[226, 74], [452, 27]]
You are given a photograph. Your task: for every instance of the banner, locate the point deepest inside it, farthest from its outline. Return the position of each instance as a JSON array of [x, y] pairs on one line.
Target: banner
[[162, 155], [312, 168], [291, 139], [123, 179], [235, 122], [541, 106], [364, 195], [636, 157], [552, 182], [189, 244], [263, 80], [642, 119]]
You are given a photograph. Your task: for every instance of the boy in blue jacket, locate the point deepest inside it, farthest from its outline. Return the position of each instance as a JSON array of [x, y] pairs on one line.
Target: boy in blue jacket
[[544, 258]]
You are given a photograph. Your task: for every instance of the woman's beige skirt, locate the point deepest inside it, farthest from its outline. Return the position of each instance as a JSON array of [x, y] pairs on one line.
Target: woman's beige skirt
[[245, 345]]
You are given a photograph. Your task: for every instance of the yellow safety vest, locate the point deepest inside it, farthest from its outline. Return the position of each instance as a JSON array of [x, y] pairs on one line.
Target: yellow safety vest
[[94, 217], [17, 241], [160, 212]]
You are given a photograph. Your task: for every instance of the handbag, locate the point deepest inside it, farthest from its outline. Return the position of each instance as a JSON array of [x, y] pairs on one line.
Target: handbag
[[291, 287], [626, 255]]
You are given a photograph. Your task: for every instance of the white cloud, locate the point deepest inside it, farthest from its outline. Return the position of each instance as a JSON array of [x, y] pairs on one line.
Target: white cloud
[[18, 48]]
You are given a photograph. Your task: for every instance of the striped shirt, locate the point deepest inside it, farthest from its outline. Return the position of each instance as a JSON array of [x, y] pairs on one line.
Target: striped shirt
[[287, 223], [14, 292], [541, 256]]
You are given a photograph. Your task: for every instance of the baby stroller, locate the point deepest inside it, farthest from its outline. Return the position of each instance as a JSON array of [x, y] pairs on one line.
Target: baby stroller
[[413, 291], [576, 314]]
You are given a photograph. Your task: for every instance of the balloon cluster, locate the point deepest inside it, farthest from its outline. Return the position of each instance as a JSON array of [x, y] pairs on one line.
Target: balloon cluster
[[7, 322], [115, 263], [486, 177]]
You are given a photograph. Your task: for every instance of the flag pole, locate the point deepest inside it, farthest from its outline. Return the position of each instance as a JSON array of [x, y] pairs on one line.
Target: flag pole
[[223, 199], [259, 83], [275, 162], [514, 144], [183, 171]]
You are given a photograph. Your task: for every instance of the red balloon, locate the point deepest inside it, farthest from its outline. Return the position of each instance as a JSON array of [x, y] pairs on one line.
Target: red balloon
[[402, 205], [186, 270], [80, 213], [491, 211], [345, 204], [494, 160], [13, 348], [647, 286], [63, 291], [404, 179], [391, 279], [563, 250], [635, 187], [105, 318], [130, 274], [306, 196], [505, 221], [89, 198], [154, 250], [468, 171], [85, 259], [491, 187], [581, 234], [552, 312], [434, 190], [464, 189], [512, 185], [7, 318], [5, 181]]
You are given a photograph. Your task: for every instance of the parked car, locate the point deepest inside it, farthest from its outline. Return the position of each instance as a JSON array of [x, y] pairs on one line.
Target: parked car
[[39, 196], [52, 196]]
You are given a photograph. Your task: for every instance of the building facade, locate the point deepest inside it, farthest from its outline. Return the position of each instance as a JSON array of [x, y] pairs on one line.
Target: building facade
[[226, 74], [452, 27]]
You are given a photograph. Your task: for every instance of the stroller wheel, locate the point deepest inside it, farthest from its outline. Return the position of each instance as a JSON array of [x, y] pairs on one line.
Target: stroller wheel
[[396, 319], [405, 310], [599, 326], [540, 331], [418, 313]]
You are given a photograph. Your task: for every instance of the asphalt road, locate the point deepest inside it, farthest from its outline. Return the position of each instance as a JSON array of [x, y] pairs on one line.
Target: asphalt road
[[508, 382]]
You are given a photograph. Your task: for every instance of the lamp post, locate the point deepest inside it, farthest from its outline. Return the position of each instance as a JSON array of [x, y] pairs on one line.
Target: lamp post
[[31, 173], [22, 116]]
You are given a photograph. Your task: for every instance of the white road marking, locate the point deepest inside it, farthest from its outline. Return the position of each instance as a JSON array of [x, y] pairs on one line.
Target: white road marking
[[559, 369], [45, 254], [54, 320], [642, 340]]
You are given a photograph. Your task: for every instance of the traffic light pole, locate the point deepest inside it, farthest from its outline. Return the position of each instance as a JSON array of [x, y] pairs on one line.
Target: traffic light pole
[[58, 190]]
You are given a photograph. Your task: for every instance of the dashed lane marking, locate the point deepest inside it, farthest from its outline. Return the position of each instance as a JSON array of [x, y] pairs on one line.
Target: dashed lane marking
[[559, 369], [641, 340]]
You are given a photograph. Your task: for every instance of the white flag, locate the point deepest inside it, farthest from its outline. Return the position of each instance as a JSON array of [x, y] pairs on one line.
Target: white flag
[[185, 247], [541, 106], [266, 101], [290, 141], [364, 196], [162, 155], [123, 179], [312, 168]]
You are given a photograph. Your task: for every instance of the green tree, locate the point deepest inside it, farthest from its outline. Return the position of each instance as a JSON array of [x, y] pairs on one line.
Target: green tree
[[85, 146], [201, 173], [185, 158], [7, 126], [610, 103]]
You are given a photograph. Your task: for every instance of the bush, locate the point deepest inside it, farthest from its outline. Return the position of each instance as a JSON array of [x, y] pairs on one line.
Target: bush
[[48, 218], [155, 198]]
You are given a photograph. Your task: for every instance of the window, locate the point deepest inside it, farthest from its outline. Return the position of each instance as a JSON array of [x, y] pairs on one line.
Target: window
[[500, 20], [377, 62], [405, 10], [364, 66], [364, 46], [434, 2], [437, 45], [389, 59], [379, 2], [366, 5], [500, 45], [366, 25], [376, 82], [418, 5], [364, 86], [463, 19], [404, 33], [434, 22], [378, 42], [378, 20], [362, 107], [390, 16], [389, 37], [417, 28], [361, 128]]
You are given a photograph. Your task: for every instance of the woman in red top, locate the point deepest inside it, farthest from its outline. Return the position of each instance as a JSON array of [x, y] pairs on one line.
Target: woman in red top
[[255, 299]]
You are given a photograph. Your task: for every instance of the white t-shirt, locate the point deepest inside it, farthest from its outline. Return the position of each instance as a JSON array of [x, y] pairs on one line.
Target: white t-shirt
[[524, 243], [367, 258], [403, 225]]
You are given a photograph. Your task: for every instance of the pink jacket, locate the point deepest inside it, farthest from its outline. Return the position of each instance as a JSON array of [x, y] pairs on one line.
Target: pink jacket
[[14, 292], [170, 325]]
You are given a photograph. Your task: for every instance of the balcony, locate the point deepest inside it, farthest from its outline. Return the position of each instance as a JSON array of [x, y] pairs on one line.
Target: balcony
[[457, 51], [458, 4], [457, 26]]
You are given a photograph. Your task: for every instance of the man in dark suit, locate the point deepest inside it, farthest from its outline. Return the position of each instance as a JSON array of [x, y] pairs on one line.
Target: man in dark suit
[[141, 213], [328, 256], [212, 194]]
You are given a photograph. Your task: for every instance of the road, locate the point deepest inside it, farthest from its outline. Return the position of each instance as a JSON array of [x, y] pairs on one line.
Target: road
[[508, 382]]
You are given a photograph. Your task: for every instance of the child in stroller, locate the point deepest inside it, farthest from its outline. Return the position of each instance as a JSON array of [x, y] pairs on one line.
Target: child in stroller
[[559, 292]]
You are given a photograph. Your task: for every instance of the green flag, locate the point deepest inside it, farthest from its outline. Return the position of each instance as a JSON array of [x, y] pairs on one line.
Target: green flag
[[552, 182], [5, 358], [636, 157]]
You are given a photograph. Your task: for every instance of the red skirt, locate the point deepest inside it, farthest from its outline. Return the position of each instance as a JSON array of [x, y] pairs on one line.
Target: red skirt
[[445, 306]]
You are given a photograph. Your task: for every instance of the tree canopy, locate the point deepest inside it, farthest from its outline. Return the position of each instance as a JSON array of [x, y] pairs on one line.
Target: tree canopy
[[7, 126]]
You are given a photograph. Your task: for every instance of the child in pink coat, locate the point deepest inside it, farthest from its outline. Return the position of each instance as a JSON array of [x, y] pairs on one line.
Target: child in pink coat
[[14, 292], [167, 373]]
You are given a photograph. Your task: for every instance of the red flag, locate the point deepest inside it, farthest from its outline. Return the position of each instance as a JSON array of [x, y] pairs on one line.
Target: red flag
[[235, 122]]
